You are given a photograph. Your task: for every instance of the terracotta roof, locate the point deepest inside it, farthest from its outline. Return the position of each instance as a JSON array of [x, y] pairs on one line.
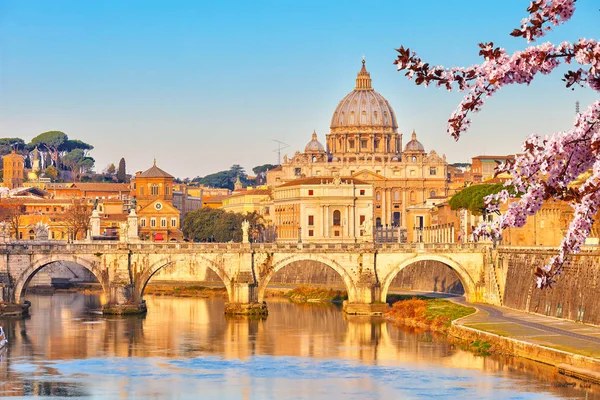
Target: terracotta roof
[[90, 186], [102, 187], [253, 192], [317, 180], [214, 199], [154, 172], [510, 156], [278, 168]]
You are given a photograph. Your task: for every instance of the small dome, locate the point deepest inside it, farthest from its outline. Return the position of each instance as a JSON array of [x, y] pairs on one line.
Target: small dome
[[414, 144], [314, 146]]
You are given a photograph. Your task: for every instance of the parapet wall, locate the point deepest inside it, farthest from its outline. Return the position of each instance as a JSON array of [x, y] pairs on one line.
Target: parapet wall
[[574, 297]]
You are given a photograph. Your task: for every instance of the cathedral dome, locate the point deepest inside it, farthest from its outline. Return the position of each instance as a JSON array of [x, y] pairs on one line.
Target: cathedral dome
[[364, 107], [414, 144], [314, 146]]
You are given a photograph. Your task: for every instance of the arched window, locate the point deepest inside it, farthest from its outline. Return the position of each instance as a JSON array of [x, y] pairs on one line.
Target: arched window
[[352, 118], [414, 159], [154, 189], [378, 196], [337, 216], [167, 189], [378, 221], [432, 193]]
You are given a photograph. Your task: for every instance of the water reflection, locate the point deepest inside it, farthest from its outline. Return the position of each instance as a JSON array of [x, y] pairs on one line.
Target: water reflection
[[299, 351]]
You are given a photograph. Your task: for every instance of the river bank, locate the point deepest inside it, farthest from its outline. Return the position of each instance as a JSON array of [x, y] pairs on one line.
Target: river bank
[[448, 318]]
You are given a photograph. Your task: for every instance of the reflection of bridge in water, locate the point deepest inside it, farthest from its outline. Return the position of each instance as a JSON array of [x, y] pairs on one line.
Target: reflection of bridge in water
[[60, 332], [124, 269]]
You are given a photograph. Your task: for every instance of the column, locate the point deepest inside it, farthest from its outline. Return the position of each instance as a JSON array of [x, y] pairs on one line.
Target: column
[[452, 233], [346, 221], [383, 206], [322, 222], [353, 221], [327, 221]]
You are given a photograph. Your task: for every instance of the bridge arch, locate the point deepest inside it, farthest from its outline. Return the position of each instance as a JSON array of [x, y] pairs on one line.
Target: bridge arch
[[461, 272], [167, 261], [25, 277], [341, 271]]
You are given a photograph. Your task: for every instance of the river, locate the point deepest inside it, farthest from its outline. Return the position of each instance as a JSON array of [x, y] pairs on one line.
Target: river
[[186, 348]]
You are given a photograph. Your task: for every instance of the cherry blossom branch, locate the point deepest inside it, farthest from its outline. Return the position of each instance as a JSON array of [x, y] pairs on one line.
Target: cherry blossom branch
[[549, 167]]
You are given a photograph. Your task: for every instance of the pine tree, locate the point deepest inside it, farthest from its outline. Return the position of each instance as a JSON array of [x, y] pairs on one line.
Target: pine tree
[[121, 175]]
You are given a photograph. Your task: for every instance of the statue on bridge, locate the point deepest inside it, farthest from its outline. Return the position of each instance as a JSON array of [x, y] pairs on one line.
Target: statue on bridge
[[41, 231], [245, 228], [4, 232]]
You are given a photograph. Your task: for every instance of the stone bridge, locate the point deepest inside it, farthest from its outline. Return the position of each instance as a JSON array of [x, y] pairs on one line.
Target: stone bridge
[[124, 269]]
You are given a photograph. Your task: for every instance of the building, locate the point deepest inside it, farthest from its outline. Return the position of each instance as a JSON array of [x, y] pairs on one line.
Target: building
[[158, 219], [246, 201], [184, 201], [364, 144], [484, 167], [14, 170], [322, 209]]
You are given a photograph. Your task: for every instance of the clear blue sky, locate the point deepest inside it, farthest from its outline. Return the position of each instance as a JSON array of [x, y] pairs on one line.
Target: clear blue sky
[[203, 85]]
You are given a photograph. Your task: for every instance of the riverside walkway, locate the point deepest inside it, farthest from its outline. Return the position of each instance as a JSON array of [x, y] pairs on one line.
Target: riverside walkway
[[537, 329]]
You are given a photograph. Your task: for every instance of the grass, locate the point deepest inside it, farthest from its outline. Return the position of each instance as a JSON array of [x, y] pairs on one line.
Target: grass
[[481, 347], [306, 293], [436, 314], [185, 291]]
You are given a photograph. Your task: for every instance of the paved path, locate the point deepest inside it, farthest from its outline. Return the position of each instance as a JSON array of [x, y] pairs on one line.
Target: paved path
[[547, 331], [552, 332]]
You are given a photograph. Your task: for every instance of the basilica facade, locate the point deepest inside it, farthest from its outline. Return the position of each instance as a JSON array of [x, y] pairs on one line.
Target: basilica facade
[[364, 143]]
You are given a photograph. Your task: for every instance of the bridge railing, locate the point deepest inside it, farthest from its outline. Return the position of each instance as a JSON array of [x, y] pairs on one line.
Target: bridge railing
[[100, 246]]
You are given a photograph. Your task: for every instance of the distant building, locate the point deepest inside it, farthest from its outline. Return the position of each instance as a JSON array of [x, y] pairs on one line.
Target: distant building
[[14, 170], [322, 209], [364, 144], [159, 220], [484, 167]]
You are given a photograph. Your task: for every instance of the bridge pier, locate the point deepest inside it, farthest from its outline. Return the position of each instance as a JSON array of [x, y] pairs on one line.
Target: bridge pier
[[365, 301], [122, 300], [243, 300]]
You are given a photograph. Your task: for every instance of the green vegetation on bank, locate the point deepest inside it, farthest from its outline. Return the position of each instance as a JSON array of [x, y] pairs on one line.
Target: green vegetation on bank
[[307, 294], [433, 313], [472, 198], [185, 291]]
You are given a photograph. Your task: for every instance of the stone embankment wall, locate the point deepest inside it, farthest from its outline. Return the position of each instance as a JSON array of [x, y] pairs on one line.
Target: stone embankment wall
[[428, 276], [574, 297]]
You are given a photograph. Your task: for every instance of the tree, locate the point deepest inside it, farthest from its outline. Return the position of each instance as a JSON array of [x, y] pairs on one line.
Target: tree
[[548, 166], [51, 172], [210, 225], [7, 145], [77, 218], [50, 142], [111, 169], [11, 211], [263, 168], [78, 162], [225, 179], [121, 173], [472, 198]]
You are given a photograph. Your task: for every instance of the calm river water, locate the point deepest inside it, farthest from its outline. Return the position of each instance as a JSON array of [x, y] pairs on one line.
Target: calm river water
[[187, 349]]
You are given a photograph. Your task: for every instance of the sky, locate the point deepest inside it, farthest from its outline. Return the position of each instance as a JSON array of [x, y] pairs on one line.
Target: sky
[[202, 85]]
